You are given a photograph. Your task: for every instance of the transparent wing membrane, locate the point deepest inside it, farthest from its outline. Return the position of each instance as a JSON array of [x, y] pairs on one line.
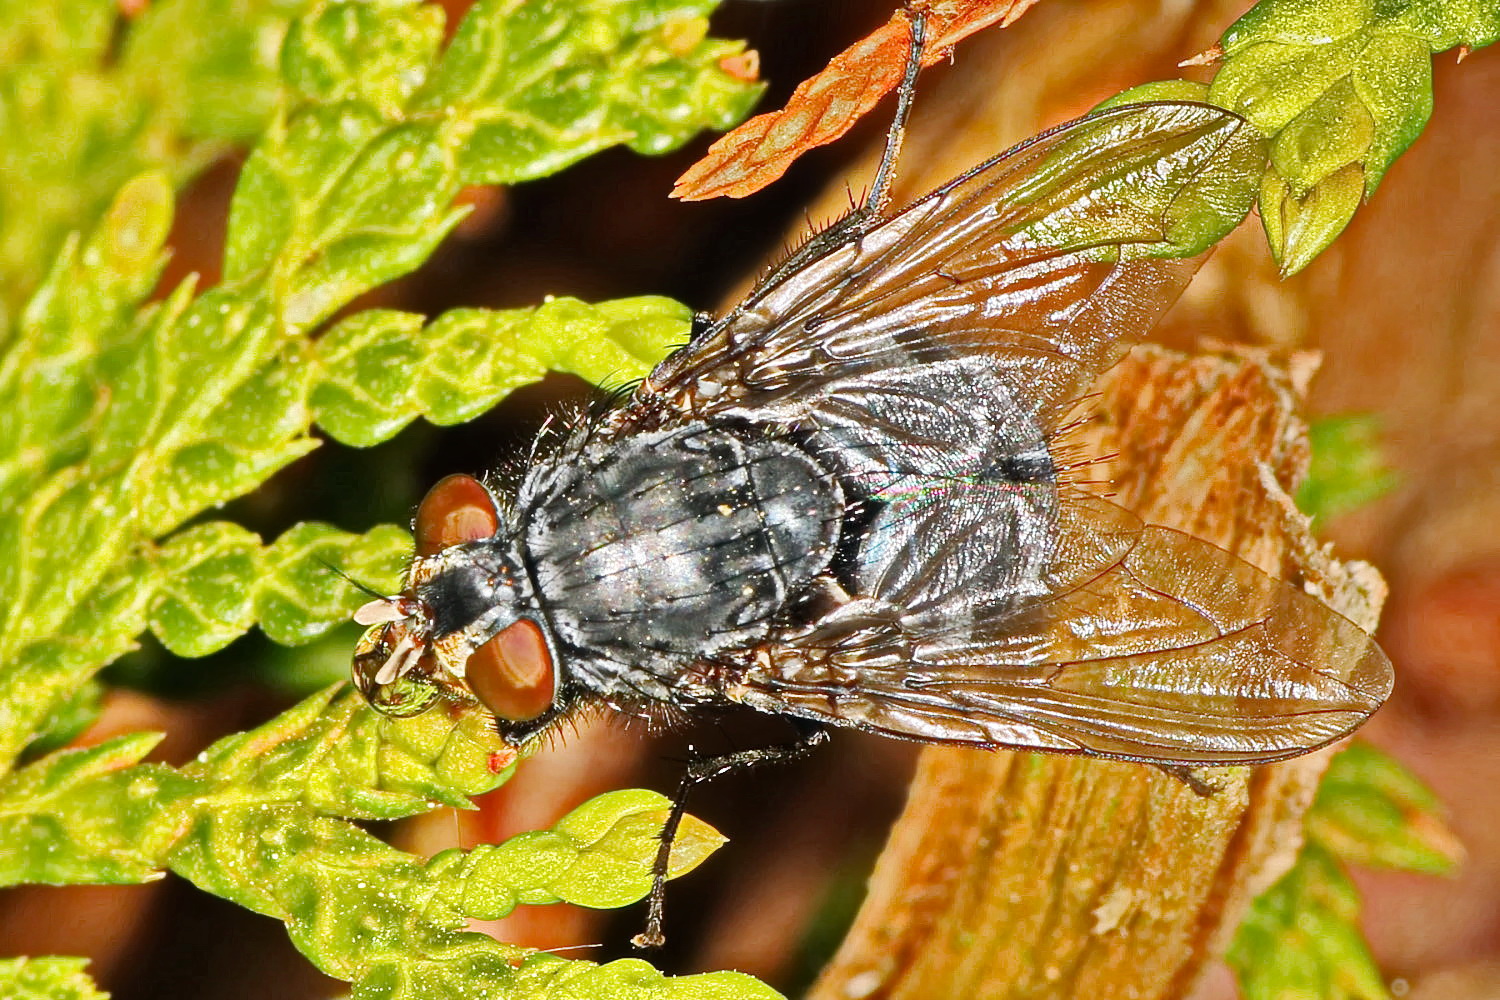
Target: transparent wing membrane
[[1176, 652], [1042, 259], [928, 359]]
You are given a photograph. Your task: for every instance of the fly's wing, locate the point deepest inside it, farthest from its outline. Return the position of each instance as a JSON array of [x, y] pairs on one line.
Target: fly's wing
[[1173, 651], [1048, 260], [929, 358]]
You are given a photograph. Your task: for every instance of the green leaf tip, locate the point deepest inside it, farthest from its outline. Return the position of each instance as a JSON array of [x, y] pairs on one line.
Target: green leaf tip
[[379, 370], [517, 975], [633, 979], [77, 816], [51, 977], [1344, 88], [1300, 226], [384, 920], [1340, 89], [215, 580], [1373, 812], [255, 820], [600, 855], [620, 830], [1348, 468], [1301, 937]]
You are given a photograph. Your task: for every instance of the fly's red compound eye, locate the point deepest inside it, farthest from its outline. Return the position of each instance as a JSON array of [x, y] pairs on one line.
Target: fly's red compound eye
[[512, 673], [456, 510]]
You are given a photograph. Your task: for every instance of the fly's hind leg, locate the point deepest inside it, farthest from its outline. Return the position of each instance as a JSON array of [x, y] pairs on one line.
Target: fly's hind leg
[[809, 736]]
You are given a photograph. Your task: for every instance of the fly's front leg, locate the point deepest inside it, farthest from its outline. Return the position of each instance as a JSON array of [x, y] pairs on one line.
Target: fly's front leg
[[809, 736]]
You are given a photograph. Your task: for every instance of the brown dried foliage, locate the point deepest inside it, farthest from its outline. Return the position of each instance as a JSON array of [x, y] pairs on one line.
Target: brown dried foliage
[[826, 106]]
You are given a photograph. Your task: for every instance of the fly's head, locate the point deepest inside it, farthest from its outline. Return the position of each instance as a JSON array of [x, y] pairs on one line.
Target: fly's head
[[465, 629]]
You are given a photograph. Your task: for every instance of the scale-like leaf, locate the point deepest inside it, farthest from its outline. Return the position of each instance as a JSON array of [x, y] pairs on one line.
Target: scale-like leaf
[[49, 978], [1371, 811], [137, 417], [68, 818], [1302, 939], [253, 820], [215, 580], [379, 370], [1341, 89], [90, 98]]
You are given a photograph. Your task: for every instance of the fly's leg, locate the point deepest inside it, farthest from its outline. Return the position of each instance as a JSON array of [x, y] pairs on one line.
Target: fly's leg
[[880, 188], [809, 736]]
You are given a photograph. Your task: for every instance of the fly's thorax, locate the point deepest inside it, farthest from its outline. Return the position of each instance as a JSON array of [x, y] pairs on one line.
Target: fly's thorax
[[657, 549], [960, 482]]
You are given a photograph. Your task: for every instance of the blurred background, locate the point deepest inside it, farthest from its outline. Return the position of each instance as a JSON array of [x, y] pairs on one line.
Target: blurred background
[[1405, 309]]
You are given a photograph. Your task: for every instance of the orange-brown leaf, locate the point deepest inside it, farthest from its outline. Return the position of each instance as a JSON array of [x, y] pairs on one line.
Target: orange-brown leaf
[[826, 106]]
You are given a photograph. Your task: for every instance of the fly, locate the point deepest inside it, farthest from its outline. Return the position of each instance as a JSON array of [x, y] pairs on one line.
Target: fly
[[841, 503]]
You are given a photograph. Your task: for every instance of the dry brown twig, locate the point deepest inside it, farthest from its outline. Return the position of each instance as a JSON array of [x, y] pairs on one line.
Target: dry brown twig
[[829, 104]]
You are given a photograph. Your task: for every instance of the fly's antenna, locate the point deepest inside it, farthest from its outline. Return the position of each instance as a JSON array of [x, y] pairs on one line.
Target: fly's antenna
[[363, 588], [880, 189]]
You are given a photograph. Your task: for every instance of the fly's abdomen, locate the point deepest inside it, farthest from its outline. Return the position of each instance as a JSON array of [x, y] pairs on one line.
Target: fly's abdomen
[[688, 541]]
